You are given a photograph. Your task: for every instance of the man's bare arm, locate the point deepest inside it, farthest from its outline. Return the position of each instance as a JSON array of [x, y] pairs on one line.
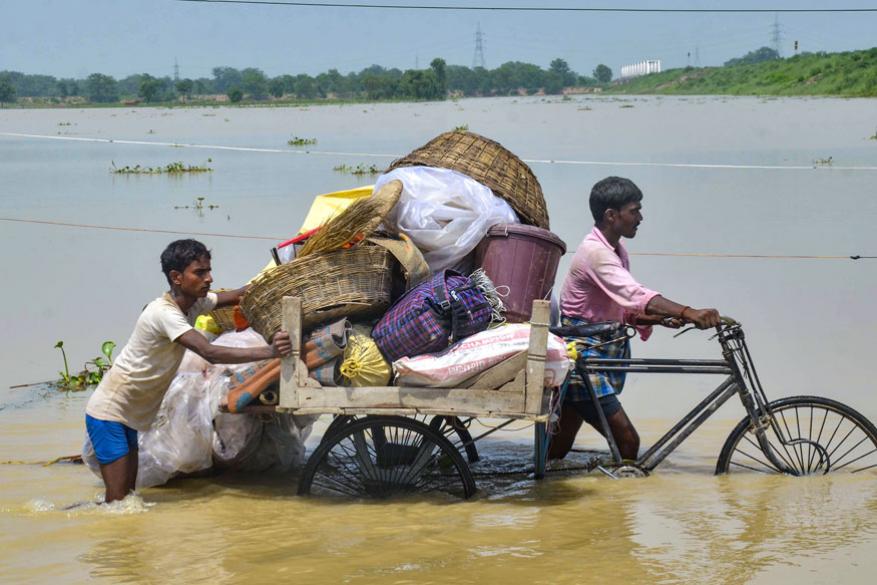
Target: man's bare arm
[[230, 297], [217, 354], [702, 318]]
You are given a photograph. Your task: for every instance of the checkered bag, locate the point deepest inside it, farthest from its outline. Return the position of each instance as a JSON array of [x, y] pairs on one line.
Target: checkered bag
[[432, 315]]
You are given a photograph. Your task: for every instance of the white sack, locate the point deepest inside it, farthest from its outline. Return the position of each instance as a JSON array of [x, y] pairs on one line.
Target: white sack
[[445, 213], [477, 353], [184, 438]]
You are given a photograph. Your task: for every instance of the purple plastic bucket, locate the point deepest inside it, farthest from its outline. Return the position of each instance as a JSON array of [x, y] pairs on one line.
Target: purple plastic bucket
[[523, 258]]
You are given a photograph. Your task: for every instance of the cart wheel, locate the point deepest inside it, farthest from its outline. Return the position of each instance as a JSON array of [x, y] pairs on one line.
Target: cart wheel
[[821, 436], [383, 456], [452, 425], [338, 422]]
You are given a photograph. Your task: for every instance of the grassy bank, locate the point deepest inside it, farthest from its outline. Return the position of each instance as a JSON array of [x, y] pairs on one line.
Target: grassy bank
[[850, 74]]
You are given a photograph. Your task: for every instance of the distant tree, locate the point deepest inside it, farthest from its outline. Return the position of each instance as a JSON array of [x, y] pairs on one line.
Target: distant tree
[[419, 84], [150, 88], [554, 83], [67, 88], [235, 95], [561, 68], [757, 56], [439, 67], [203, 86], [225, 78], [254, 83], [305, 86], [185, 87], [101, 89], [7, 91], [602, 73], [276, 87]]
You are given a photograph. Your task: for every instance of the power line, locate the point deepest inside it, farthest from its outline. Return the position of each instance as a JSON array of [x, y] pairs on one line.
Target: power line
[[534, 8], [279, 238]]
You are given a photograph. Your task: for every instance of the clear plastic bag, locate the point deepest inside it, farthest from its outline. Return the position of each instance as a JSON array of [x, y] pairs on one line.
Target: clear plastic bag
[[445, 213], [189, 433]]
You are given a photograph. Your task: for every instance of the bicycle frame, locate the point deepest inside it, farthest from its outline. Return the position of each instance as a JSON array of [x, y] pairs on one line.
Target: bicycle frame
[[742, 379]]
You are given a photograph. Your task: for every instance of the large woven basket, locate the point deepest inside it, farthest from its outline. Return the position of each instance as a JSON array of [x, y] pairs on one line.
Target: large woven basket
[[342, 283], [489, 163]]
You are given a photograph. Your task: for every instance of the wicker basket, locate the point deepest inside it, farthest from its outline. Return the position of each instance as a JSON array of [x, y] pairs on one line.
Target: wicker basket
[[490, 164], [224, 318], [343, 283]]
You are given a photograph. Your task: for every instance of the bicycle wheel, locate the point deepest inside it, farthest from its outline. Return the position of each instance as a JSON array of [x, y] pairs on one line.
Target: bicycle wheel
[[455, 430], [818, 436], [384, 456]]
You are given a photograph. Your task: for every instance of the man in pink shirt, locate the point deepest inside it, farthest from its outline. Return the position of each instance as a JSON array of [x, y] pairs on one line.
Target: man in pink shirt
[[599, 287]]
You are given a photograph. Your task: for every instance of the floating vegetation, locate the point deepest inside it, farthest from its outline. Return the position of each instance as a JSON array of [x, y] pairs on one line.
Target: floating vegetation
[[461, 128], [174, 168], [65, 123], [585, 109], [299, 141], [566, 98], [626, 106], [873, 136], [822, 162], [199, 206], [92, 372], [358, 170]]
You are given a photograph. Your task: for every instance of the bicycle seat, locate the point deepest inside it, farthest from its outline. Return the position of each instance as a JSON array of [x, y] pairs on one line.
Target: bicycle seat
[[603, 328]]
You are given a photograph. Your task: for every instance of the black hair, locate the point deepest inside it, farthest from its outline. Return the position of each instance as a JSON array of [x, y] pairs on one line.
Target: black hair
[[179, 254], [612, 193]]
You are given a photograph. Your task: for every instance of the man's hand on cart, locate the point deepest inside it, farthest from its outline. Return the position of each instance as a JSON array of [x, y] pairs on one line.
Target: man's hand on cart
[[281, 344]]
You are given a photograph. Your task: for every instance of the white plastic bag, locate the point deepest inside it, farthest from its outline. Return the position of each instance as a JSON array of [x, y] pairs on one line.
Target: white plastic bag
[[190, 434], [476, 353], [445, 213]]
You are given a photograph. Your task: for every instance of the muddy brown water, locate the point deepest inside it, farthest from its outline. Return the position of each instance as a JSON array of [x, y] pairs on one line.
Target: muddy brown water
[[720, 175]]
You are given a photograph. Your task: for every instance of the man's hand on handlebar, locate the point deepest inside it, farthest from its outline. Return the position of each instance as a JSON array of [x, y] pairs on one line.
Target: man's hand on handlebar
[[701, 318]]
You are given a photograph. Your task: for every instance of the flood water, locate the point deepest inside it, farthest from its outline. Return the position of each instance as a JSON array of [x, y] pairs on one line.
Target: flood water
[[720, 176]]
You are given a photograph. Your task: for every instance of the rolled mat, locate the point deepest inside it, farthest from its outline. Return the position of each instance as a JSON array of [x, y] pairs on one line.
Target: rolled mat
[[246, 386]]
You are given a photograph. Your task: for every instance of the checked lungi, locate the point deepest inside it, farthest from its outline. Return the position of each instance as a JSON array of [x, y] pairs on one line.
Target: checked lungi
[[604, 383]]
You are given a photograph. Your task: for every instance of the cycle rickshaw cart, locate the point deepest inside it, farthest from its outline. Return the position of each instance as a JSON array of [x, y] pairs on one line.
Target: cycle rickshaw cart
[[393, 439]]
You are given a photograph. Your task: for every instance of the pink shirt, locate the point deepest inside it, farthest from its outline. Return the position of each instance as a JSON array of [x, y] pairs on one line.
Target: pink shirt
[[599, 286]]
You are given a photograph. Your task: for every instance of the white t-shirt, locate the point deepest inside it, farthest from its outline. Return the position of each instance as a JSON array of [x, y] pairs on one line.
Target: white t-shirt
[[132, 390]]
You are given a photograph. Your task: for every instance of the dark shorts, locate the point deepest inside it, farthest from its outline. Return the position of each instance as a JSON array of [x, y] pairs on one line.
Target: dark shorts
[[586, 409], [111, 440]]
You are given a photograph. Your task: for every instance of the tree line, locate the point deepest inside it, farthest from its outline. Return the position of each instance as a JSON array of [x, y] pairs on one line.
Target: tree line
[[372, 83]]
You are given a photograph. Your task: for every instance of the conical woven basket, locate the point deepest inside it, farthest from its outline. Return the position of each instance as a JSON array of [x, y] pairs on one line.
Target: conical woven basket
[[489, 163], [343, 283]]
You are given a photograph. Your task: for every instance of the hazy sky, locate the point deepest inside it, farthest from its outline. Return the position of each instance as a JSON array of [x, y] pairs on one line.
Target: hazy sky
[[73, 38]]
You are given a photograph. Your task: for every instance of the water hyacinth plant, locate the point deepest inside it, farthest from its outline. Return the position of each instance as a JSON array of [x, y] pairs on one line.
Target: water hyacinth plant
[[92, 372]]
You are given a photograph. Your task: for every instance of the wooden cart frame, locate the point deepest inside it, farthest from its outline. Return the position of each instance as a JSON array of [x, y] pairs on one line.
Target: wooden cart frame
[[368, 453]]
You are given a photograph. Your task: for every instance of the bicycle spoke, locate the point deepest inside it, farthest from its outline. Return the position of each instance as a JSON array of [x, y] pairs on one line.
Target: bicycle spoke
[[842, 441], [795, 448], [745, 454], [856, 459], [850, 450], [872, 466], [821, 427], [748, 467], [758, 447]]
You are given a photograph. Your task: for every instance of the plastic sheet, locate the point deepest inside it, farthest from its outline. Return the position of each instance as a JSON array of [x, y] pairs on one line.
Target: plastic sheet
[[190, 434], [445, 213]]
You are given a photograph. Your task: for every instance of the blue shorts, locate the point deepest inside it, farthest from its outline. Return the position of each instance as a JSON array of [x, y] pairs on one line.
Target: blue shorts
[[111, 440]]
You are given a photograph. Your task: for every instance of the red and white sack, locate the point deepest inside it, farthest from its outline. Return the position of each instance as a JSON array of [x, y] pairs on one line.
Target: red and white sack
[[477, 353]]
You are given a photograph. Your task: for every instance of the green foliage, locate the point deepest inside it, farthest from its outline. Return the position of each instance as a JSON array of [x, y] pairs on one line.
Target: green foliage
[[174, 168], [358, 170], [602, 73], [7, 91], [849, 74], [299, 141], [756, 56], [101, 89], [150, 88], [254, 83], [92, 371], [235, 95], [185, 87]]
